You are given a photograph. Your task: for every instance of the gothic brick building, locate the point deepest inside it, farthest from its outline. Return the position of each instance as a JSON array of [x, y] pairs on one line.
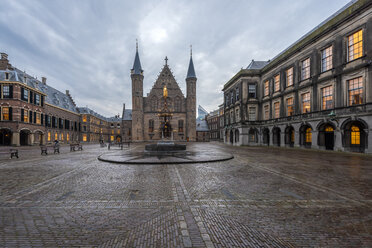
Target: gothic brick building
[[145, 123], [315, 94]]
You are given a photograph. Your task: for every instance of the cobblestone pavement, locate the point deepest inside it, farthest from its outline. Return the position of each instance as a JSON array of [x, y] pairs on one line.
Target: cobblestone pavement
[[264, 197]]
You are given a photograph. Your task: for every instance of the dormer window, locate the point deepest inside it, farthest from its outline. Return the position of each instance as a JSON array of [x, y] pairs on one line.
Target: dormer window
[[6, 75]]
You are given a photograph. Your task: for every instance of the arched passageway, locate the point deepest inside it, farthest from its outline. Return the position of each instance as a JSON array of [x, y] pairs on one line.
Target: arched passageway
[[306, 136], [276, 136], [24, 137], [289, 136], [355, 138], [5, 137], [326, 138], [266, 136]]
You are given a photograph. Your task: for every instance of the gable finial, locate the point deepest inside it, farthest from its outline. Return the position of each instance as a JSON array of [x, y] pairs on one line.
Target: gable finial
[[166, 60], [190, 50], [136, 45]]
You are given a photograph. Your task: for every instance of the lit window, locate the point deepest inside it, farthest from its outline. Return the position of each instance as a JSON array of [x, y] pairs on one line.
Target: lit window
[[49, 136], [355, 91], [276, 110], [25, 115], [308, 136], [327, 59], [67, 137], [84, 118], [355, 45], [112, 138], [56, 136], [292, 136], [62, 136], [84, 137], [289, 74], [305, 69], [329, 129], [38, 118], [277, 83], [252, 90], [290, 106], [355, 135], [112, 131], [327, 97], [6, 91], [305, 102], [252, 113], [266, 88], [5, 114], [266, 112]]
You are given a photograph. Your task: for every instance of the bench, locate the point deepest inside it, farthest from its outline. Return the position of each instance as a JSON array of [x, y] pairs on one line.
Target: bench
[[44, 149], [74, 147], [13, 153]]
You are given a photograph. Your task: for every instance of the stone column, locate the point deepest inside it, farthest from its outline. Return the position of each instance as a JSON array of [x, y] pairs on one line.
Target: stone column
[[271, 138], [314, 140], [282, 139], [31, 139], [369, 140], [296, 138], [15, 139], [338, 140]]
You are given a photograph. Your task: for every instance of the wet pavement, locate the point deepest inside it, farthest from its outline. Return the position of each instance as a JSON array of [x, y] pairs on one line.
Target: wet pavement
[[264, 197]]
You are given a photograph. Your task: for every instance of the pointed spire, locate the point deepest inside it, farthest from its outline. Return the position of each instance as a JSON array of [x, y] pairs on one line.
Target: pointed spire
[[191, 71], [137, 69]]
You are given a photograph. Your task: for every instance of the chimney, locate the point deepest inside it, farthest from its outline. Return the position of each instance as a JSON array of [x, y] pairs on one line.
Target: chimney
[[4, 62], [68, 92], [4, 56]]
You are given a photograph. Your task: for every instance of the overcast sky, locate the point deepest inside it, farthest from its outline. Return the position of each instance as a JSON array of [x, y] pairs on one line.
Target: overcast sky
[[88, 46]]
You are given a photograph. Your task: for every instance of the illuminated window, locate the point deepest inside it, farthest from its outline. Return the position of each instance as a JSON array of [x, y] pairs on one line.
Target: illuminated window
[[56, 136], [327, 97], [292, 136], [305, 69], [289, 74], [276, 110], [277, 83], [38, 118], [67, 137], [118, 132], [84, 137], [25, 115], [355, 91], [151, 126], [329, 129], [62, 136], [355, 135], [308, 136], [355, 45], [84, 118], [290, 106], [101, 130], [305, 102], [112, 131], [49, 136], [327, 59], [5, 113], [112, 138], [266, 112], [266, 88]]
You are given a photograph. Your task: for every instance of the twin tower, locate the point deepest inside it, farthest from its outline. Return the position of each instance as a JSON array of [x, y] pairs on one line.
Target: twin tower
[[146, 124]]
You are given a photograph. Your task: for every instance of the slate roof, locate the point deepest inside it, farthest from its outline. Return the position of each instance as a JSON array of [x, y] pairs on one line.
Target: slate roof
[[201, 112], [201, 125], [137, 69], [54, 96], [256, 65], [127, 115], [191, 71]]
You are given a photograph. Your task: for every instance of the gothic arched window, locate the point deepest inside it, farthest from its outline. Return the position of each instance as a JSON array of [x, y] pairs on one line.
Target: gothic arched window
[[177, 104]]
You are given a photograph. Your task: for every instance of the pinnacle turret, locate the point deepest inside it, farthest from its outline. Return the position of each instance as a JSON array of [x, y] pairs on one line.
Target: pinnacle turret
[[191, 70], [137, 69]]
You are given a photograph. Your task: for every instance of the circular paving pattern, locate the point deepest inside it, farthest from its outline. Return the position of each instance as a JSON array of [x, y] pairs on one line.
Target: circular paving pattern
[[183, 157]]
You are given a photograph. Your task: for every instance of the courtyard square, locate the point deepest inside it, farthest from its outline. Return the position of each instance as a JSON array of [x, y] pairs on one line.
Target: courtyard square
[[263, 197]]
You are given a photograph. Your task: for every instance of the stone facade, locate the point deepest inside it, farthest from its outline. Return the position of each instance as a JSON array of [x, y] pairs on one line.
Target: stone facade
[[315, 94], [146, 124]]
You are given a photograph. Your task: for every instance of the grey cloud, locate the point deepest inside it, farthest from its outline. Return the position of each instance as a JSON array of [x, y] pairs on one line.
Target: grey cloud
[[88, 46]]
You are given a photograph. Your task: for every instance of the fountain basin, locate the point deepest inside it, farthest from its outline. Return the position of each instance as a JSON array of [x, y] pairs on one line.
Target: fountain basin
[[165, 146]]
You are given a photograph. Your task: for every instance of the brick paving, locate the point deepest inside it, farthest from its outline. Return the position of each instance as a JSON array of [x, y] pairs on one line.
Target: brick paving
[[264, 197]]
